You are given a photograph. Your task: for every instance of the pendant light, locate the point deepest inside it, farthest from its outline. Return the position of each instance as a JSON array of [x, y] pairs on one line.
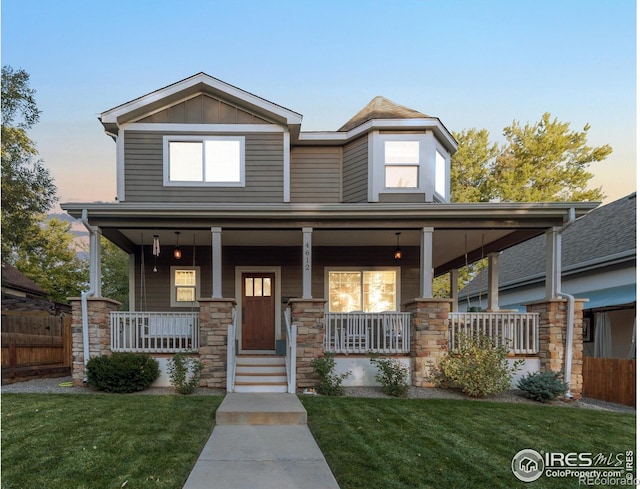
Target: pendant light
[[397, 253], [177, 252]]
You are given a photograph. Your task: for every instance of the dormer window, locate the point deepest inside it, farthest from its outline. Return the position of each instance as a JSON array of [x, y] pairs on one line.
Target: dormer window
[[407, 167], [401, 164], [204, 161]]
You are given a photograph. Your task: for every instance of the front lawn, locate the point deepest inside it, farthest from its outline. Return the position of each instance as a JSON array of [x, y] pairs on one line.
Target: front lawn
[[102, 441], [393, 443]]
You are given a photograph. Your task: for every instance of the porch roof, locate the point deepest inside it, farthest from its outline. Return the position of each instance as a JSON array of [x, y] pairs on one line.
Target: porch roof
[[462, 231]]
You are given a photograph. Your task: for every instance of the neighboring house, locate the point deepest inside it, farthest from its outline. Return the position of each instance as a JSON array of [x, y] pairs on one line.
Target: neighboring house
[[248, 236], [598, 264], [21, 295]]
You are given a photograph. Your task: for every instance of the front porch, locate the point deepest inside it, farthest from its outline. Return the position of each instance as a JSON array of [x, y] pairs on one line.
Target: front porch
[[420, 334]]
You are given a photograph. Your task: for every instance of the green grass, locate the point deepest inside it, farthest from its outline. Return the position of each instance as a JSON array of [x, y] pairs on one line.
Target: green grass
[[102, 441], [393, 443], [133, 441]]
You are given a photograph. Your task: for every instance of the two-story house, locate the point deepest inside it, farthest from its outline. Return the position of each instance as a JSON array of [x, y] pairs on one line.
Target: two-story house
[[248, 236]]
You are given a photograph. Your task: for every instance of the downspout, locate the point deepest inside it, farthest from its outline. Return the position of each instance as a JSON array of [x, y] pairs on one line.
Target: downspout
[[571, 306], [88, 293]]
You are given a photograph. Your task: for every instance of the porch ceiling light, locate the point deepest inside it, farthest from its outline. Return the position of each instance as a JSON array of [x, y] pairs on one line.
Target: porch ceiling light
[[397, 253], [177, 252]]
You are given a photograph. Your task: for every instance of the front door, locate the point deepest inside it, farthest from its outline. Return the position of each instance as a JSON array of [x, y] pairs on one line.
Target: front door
[[258, 311]]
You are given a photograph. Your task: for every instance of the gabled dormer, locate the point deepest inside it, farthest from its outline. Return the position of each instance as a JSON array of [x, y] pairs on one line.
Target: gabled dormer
[[201, 140]]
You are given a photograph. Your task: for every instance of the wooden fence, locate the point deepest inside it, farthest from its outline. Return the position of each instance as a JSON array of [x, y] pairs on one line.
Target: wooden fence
[[35, 346], [609, 379]]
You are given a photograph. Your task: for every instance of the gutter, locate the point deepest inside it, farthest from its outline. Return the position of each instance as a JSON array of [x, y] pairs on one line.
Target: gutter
[[87, 293]]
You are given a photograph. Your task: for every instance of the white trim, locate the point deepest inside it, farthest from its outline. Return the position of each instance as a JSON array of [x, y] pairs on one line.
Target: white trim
[[202, 128], [372, 193], [120, 166], [286, 152], [218, 86], [172, 279], [447, 173], [216, 262], [166, 140], [358, 268], [277, 297], [426, 263], [384, 124]]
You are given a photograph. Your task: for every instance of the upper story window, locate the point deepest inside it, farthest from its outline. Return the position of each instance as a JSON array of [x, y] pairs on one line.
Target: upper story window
[[401, 164], [204, 161], [407, 166]]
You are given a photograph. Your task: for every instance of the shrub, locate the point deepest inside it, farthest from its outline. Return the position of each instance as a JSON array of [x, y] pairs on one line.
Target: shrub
[[330, 383], [543, 386], [122, 372], [479, 367], [392, 374], [184, 372]]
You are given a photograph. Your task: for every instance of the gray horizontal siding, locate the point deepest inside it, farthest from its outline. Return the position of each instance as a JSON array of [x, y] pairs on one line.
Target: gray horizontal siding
[[289, 258], [144, 180], [315, 174], [355, 169]]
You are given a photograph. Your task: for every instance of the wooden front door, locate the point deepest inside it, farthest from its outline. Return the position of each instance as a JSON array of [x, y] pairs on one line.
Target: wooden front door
[[258, 311]]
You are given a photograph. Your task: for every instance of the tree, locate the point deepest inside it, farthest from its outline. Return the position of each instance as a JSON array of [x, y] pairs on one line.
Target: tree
[[48, 256], [115, 273], [27, 187], [545, 161], [541, 162]]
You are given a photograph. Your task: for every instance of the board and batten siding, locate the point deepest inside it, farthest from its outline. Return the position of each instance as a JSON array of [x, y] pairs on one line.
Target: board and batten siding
[[316, 174], [355, 171], [143, 178]]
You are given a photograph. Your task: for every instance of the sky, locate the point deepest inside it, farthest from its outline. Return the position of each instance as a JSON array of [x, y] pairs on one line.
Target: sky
[[472, 64]]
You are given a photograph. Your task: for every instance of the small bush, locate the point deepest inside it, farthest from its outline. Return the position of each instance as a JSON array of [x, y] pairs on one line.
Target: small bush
[[543, 386], [330, 383], [184, 372], [392, 375], [479, 367], [122, 372]]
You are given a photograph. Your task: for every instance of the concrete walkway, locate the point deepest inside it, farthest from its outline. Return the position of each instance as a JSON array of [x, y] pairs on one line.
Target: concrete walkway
[[261, 440]]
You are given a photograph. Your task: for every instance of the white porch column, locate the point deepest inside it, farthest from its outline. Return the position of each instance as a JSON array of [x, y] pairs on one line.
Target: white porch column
[[453, 286], [493, 286], [216, 262], [554, 263], [426, 263], [306, 262], [95, 263]]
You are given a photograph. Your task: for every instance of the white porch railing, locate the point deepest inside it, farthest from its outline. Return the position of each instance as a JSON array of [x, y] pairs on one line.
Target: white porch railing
[[154, 332], [232, 352], [517, 331], [365, 332], [291, 350]]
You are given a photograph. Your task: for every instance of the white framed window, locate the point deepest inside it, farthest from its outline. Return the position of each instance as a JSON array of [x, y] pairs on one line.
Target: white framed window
[[367, 290], [185, 286], [441, 175], [401, 164], [204, 161]]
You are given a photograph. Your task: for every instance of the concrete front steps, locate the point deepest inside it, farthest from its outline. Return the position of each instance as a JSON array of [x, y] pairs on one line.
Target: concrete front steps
[[261, 409], [260, 373]]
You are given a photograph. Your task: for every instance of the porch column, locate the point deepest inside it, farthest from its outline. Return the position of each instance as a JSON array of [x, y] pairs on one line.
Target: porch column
[[429, 336], [308, 317], [306, 262], [453, 286], [493, 286], [216, 314], [95, 267], [553, 273], [426, 263], [99, 329], [216, 262], [553, 339]]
